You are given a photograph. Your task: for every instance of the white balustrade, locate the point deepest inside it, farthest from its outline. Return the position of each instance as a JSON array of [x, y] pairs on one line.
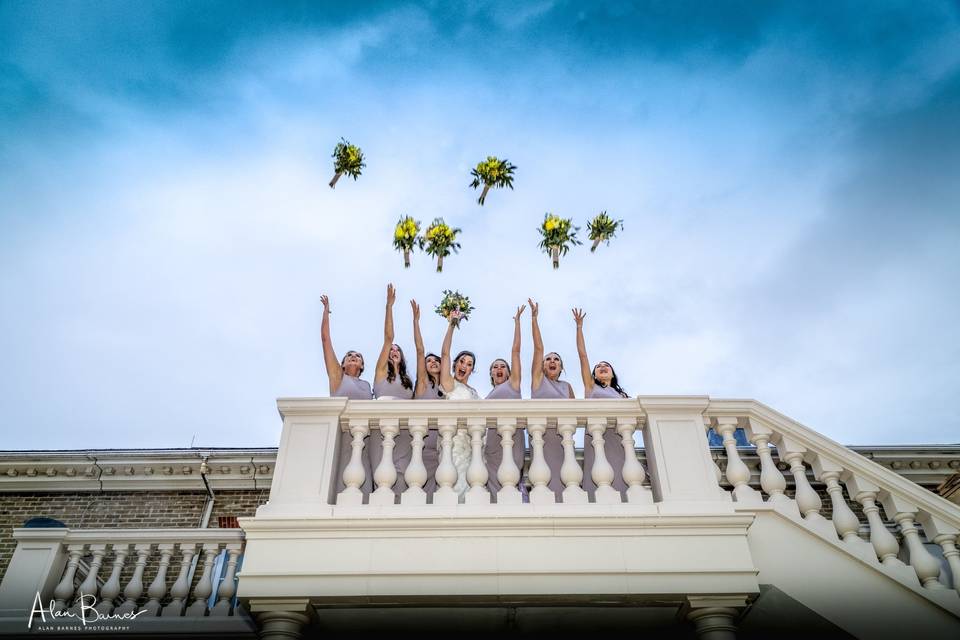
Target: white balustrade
[[385, 475], [205, 585], [63, 594], [633, 473], [227, 587], [904, 513], [134, 588], [158, 588], [738, 474], [945, 535], [771, 479], [808, 500], [446, 471], [111, 588], [354, 474], [416, 473], [570, 472], [477, 474], [87, 592], [508, 474], [181, 587], [602, 472], [539, 472]]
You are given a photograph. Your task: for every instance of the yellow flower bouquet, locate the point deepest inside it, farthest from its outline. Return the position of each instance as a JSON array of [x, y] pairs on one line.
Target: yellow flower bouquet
[[492, 172], [603, 228], [347, 159], [440, 240], [558, 235], [405, 237]]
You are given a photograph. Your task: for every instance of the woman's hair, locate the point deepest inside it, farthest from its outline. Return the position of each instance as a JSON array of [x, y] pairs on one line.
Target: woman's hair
[[558, 358], [614, 384], [434, 382], [357, 353], [392, 373], [495, 362], [465, 353]]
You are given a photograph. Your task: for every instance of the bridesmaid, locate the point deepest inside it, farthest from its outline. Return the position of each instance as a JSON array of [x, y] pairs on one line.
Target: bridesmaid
[[546, 384], [427, 388], [506, 386], [600, 382], [345, 382], [390, 380]]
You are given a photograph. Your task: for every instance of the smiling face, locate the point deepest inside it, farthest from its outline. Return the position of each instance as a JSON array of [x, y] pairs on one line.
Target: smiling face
[[463, 367], [603, 372], [499, 372], [432, 363], [352, 363], [552, 366]]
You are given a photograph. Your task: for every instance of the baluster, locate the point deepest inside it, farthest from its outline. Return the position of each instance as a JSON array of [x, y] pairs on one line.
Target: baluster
[[416, 473], [158, 588], [539, 470], [807, 499], [111, 588], [88, 588], [738, 474], [354, 474], [508, 474], [633, 473], [181, 588], [134, 588], [904, 512], [570, 472], [63, 594], [227, 586], [708, 423], [602, 472], [477, 474], [884, 543], [386, 474], [446, 471], [944, 535], [771, 480], [205, 585]]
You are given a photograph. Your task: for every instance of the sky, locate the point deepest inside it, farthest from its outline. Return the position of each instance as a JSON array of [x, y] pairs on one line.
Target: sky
[[787, 174]]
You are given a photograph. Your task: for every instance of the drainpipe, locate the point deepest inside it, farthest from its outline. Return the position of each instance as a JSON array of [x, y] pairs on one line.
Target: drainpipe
[[208, 502]]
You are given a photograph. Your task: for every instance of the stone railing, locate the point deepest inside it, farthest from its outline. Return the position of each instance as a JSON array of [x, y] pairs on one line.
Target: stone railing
[[868, 484], [192, 574]]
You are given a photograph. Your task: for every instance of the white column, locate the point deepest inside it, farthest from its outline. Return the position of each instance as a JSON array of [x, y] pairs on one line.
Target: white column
[[944, 535], [385, 475], [446, 471], [227, 586], [111, 588], [738, 474], [570, 472], [205, 585], [281, 625], [904, 513], [602, 472], [63, 594], [416, 473], [539, 470], [507, 473], [134, 588], [158, 588], [477, 474], [633, 473], [714, 623], [181, 588], [354, 474]]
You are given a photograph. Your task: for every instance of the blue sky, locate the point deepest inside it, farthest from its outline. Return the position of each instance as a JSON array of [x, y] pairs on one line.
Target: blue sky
[[787, 174]]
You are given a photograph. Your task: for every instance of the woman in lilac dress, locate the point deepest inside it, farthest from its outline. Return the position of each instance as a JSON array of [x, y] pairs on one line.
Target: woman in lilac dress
[[506, 386], [345, 382], [427, 387], [545, 383], [600, 382], [390, 381]]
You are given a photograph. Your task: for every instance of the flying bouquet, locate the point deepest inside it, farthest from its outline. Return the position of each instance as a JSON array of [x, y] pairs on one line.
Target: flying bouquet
[[454, 301], [440, 240], [603, 228], [405, 237], [347, 159], [559, 235], [492, 172]]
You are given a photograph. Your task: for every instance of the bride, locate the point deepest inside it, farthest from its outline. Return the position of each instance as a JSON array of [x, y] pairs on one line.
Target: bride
[[453, 379]]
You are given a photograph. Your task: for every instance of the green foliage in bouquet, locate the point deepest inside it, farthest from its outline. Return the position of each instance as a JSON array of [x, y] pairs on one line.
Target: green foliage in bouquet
[[347, 159], [440, 240], [454, 301], [558, 235], [603, 228], [492, 172], [405, 237]]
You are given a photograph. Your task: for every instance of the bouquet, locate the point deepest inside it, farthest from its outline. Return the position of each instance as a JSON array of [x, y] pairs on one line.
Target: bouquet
[[603, 228], [405, 237], [347, 159], [559, 235], [492, 172], [440, 240], [454, 301]]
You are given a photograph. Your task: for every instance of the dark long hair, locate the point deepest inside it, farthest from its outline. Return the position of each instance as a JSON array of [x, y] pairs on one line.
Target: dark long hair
[[465, 353], [392, 373], [495, 362], [434, 382], [614, 383]]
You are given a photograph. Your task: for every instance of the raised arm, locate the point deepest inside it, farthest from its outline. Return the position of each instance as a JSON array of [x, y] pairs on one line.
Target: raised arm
[[418, 343], [330, 360], [381, 370], [446, 377], [578, 316], [515, 373], [536, 371]]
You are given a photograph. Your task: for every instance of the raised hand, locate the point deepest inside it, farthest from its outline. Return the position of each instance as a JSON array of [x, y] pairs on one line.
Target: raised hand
[[391, 295], [454, 316], [326, 303], [520, 309], [534, 307], [578, 316], [416, 310]]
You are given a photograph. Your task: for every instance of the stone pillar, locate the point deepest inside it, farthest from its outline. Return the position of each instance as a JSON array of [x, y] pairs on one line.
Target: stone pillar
[[281, 619], [714, 617]]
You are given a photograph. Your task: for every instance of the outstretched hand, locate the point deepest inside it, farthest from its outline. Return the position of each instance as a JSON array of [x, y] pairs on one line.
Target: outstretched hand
[[578, 316], [326, 303], [391, 295], [534, 307], [416, 310], [520, 309], [454, 316]]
